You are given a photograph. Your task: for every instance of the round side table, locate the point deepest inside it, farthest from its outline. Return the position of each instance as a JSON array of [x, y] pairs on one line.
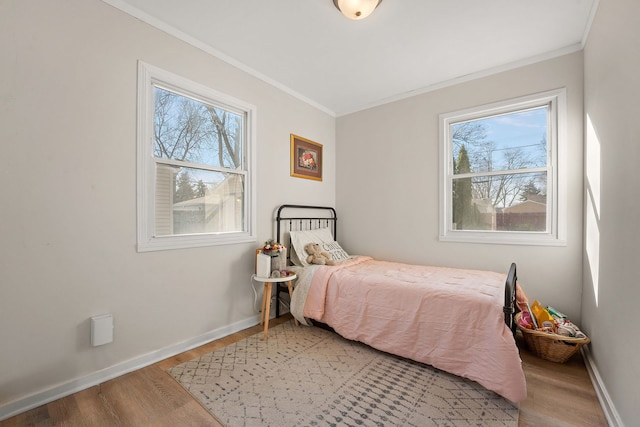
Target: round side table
[[266, 296]]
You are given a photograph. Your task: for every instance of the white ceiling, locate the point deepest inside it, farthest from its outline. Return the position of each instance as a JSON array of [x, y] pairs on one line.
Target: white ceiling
[[405, 47]]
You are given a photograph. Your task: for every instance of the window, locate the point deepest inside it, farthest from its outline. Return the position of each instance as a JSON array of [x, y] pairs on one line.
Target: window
[[195, 164], [500, 180]]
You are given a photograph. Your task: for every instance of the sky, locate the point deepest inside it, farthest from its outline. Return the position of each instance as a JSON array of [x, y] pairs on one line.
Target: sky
[[519, 130], [523, 129]]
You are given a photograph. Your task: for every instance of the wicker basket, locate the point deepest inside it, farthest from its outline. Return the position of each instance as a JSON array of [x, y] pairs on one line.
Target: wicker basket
[[553, 347]]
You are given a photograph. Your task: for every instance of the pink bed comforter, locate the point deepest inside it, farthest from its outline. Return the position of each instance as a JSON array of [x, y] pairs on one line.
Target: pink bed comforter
[[449, 318]]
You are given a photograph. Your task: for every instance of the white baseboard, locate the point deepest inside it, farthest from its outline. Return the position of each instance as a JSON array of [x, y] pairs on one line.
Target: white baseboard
[[65, 389], [610, 413]]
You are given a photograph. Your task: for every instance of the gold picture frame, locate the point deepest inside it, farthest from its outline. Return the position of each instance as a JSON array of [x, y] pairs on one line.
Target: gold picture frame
[[306, 158]]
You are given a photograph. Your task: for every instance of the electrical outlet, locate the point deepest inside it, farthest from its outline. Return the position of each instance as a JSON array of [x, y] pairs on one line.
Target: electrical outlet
[[101, 329]]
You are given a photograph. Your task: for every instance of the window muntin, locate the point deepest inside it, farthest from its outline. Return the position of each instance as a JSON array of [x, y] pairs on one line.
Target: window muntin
[[195, 164], [500, 181]]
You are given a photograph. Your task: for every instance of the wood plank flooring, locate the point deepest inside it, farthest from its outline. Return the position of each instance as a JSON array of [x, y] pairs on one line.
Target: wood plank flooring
[[558, 395]]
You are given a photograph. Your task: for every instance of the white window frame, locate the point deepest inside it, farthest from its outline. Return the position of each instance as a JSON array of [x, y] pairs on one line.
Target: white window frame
[[556, 169], [150, 76]]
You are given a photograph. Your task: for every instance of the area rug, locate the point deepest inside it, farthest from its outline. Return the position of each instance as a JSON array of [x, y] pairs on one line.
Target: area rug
[[307, 376]]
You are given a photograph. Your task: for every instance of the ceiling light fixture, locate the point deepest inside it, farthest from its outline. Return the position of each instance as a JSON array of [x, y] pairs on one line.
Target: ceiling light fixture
[[356, 9]]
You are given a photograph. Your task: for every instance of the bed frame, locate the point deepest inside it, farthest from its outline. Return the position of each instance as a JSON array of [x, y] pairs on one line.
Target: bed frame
[[317, 217], [305, 217]]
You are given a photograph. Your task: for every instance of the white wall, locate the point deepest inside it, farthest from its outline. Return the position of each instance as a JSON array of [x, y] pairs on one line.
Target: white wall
[[68, 168], [387, 191], [612, 202]]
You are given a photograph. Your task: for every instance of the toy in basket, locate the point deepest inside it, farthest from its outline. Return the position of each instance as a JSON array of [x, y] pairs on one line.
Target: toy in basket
[[549, 345]]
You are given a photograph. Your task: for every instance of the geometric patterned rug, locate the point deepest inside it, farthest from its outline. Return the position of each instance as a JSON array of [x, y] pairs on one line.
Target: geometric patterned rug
[[308, 376]]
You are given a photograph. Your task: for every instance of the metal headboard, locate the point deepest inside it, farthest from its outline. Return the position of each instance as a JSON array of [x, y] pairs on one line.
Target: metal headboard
[[293, 217], [298, 218]]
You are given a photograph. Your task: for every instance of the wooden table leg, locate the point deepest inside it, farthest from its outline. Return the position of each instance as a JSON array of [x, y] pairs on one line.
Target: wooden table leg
[[290, 286], [266, 302]]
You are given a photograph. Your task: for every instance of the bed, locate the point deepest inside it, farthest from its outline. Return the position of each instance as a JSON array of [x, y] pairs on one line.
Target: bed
[[460, 321]]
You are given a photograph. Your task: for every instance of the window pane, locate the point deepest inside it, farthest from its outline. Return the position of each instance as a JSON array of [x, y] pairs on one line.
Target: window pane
[[507, 202], [501, 143], [192, 131], [192, 201]]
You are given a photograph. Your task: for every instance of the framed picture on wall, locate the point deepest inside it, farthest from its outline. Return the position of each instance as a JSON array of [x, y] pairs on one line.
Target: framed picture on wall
[[306, 158]]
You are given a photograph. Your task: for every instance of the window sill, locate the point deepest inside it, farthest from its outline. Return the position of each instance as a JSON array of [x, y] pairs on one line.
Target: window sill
[[192, 241], [524, 239]]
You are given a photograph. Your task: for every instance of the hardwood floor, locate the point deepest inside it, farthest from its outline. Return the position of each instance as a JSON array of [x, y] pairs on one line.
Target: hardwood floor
[[558, 395]]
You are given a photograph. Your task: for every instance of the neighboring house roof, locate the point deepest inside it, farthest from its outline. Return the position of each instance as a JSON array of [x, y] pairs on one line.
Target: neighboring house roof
[[528, 206], [192, 204], [232, 184], [540, 198]]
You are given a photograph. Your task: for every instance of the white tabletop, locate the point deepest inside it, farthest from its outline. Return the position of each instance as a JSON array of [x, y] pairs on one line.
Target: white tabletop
[[273, 279]]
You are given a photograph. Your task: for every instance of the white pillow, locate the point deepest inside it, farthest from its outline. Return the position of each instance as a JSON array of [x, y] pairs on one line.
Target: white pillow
[[299, 240], [334, 250]]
